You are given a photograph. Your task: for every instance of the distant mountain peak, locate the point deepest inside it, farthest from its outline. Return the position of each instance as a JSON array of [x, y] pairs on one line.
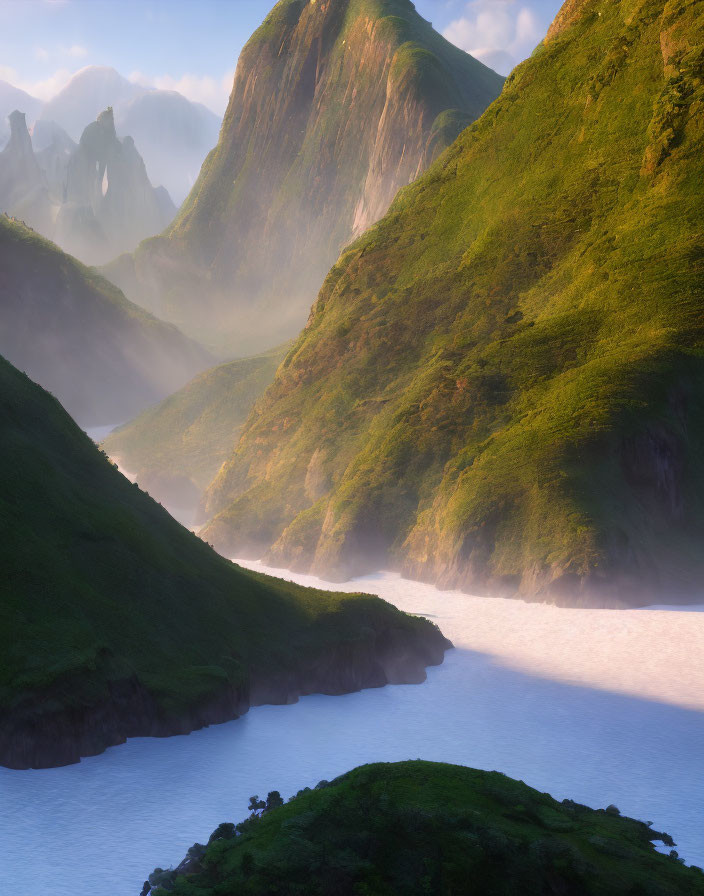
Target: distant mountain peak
[[334, 108]]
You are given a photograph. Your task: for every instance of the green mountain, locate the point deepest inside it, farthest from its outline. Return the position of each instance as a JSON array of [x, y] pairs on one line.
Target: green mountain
[[335, 105], [175, 449], [423, 827], [117, 622], [501, 385], [74, 332]]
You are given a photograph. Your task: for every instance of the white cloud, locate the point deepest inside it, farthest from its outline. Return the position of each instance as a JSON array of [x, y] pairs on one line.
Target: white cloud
[[41, 54], [44, 88], [77, 51], [499, 33], [212, 92]]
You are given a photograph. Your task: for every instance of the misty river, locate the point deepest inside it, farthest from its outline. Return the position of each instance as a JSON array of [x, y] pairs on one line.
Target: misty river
[[601, 706]]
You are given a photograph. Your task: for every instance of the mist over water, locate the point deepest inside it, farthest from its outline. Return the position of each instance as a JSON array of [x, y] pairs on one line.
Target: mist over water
[[541, 694]]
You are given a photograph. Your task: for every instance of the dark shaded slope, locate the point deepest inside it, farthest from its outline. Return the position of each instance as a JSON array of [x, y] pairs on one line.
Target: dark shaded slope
[[335, 105], [117, 622], [501, 386], [67, 327], [425, 827]]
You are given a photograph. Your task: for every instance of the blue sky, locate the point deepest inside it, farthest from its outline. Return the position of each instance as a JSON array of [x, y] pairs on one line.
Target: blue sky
[[193, 45]]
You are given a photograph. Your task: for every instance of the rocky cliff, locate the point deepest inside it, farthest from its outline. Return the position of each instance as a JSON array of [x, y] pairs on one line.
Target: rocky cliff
[[78, 336], [12, 98], [53, 149], [335, 105], [94, 199], [173, 134], [118, 622], [23, 189], [109, 204], [501, 386]]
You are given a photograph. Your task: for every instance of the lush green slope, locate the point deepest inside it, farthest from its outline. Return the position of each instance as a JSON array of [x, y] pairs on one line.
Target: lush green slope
[[176, 448], [74, 332], [501, 386], [335, 105], [429, 828], [116, 621]]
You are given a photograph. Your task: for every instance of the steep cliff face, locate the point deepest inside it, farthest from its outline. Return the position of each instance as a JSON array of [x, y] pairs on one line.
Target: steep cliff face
[[172, 133], [332, 110], [12, 98], [94, 199], [118, 622], [500, 385], [53, 149], [109, 205], [23, 189], [76, 334]]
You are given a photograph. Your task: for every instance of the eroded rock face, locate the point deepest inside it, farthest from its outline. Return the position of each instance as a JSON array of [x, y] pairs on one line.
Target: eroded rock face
[[94, 199], [53, 149], [332, 111], [23, 189], [109, 204]]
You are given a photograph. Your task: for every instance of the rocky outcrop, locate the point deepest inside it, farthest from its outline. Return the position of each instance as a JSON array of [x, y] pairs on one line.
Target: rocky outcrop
[[12, 98], [332, 111], [95, 199], [23, 189], [109, 204], [172, 133], [53, 149], [32, 735]]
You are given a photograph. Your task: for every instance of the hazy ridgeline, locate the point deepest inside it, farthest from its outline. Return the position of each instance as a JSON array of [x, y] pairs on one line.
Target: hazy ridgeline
[[499, 388], [175, 448], [335, 106], [93, 198], [172, 134], [75, 333]]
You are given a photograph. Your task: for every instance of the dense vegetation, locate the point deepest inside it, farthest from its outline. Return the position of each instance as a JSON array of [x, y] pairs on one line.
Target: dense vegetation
[[501, 386], [175, 448], [428, 828], [116, 621], [335, 105], [76, 334]]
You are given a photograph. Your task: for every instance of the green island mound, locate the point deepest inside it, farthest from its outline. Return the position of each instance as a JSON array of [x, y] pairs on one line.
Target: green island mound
[[501, 385], [74, 332], [336, 104], [115, 621], [175, 449], [429, 828]]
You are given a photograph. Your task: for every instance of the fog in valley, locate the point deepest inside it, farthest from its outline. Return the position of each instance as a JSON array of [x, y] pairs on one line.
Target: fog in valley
[[352, 412]]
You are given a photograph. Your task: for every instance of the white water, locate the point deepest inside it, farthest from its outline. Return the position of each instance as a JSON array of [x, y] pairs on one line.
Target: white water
[[601, 706]]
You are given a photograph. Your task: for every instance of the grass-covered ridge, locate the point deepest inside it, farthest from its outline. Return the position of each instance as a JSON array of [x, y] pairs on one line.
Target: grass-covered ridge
[[331, 112], [176, 448], [76, 333], [116, 621], [501, 384], [430, 828]]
